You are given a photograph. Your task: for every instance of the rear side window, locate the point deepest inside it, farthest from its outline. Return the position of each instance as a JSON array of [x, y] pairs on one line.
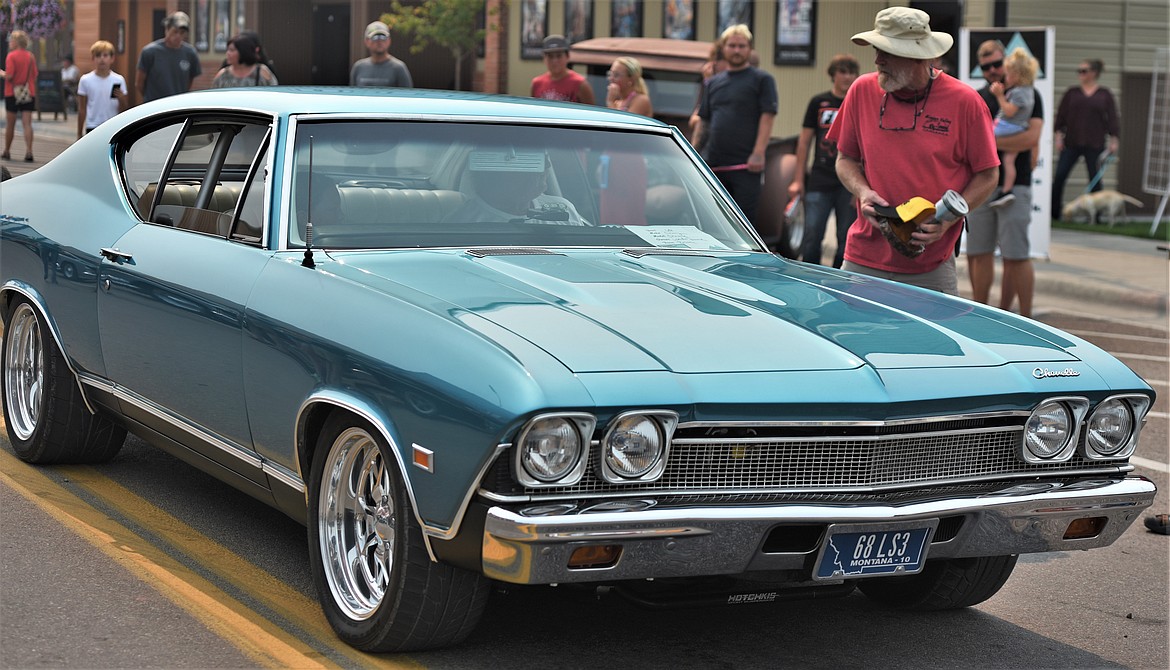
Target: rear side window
[[205, 175]]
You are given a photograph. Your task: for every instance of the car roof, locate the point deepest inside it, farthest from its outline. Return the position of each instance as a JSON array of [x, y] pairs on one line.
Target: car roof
[[345, 100]]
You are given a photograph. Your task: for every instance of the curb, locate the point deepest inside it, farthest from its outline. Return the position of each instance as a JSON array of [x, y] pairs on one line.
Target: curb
[[1096, 292], [1064, 284]]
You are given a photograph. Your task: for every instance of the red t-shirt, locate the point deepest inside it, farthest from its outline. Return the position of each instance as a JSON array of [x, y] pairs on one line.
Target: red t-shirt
[[565, 88], [20, 68], [951, 141]]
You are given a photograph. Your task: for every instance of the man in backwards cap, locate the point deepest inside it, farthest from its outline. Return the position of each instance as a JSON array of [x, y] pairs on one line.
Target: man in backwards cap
[[559, 82], [911, 130]]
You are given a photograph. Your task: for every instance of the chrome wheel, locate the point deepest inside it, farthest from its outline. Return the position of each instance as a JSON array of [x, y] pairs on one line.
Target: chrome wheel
[[24, 371], [357, 523]]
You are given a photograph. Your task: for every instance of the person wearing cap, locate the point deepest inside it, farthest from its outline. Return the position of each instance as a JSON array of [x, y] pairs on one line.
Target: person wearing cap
[[379, 68], [911, 130], [737, 109], [1005, 227], [168, 66], [559, 82]]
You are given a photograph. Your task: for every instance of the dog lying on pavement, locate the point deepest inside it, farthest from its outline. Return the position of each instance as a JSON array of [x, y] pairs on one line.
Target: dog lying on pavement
[[1110, 204]]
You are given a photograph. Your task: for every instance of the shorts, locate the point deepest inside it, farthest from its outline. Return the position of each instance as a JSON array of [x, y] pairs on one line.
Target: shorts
[[943, 279], [11, 106], [1005, 227]]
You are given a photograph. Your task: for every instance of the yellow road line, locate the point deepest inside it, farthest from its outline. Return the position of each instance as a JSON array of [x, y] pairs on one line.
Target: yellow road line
[[221, 614], [259, 639], [301, 611]]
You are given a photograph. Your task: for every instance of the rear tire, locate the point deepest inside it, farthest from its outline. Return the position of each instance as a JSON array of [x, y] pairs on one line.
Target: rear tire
[[45, 415], [376, 583], [944, 584]]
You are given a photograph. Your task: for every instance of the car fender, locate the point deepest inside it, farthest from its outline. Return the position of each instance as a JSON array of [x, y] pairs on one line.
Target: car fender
[[8, 293]]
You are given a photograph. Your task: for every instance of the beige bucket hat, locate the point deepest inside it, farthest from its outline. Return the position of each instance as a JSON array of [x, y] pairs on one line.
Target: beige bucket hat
[[905, 32]]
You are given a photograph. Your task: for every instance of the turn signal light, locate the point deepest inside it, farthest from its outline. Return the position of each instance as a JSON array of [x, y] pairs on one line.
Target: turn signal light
[[1085, 528], [595, 556]]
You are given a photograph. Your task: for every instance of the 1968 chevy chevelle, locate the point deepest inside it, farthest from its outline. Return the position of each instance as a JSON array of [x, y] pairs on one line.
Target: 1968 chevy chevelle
[[468, 339]]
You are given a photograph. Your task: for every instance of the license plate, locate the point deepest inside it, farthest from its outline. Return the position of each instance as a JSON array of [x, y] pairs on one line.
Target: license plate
[[851, 551]]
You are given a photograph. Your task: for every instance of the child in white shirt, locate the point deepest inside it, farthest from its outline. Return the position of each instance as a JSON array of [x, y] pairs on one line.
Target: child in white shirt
[[101, 94]]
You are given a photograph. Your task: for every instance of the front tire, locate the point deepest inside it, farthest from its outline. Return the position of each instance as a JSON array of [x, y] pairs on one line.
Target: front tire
[[944, 584], [45, 415], [376, 582]]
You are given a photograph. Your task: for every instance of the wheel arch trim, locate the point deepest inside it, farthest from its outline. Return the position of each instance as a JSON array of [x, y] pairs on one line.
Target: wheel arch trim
[[36, 300], [339, 400]]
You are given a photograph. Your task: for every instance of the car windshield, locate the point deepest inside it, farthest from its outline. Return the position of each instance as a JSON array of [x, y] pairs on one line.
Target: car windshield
[[385, 184]]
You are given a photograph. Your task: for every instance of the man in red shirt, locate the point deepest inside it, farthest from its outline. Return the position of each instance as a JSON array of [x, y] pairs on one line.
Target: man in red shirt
[[911, 130], [560, 83]]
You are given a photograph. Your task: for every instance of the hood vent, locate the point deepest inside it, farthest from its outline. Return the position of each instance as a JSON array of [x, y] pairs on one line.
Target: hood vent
[[510, 251]]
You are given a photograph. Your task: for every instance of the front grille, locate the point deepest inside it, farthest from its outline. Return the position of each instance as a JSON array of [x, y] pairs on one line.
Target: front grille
[[771, 461]]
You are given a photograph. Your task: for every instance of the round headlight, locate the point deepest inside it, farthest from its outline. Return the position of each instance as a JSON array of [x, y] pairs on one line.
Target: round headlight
[[550, 449], [1049, 430], [633, 446], [1110, 427]]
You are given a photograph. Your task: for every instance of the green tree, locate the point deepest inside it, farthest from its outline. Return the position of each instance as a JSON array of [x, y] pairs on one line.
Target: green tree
[[448, 23]]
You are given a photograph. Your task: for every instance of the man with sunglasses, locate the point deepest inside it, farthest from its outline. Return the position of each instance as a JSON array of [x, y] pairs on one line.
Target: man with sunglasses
[[380, 68], [168, 66], [1005, 227], [910, 130]]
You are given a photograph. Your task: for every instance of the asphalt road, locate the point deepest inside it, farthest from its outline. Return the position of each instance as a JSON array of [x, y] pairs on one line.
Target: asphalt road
[[146, 562]]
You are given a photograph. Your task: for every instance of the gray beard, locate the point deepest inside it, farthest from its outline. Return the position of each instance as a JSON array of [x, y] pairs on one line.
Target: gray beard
[[891, 83]]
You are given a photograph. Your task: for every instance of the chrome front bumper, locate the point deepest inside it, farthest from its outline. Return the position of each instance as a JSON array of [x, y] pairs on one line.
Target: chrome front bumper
[[533, 546]]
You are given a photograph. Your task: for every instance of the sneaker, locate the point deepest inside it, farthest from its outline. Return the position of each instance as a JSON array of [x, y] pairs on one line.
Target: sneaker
[[1005, 199]]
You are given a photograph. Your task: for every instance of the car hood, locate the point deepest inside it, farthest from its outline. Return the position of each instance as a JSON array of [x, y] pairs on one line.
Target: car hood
[[641, 310]]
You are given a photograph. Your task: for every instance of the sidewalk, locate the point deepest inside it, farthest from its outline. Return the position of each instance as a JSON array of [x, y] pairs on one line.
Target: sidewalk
[[1091, 274]]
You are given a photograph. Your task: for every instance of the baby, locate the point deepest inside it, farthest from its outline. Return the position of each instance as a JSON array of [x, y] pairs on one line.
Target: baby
[[1016, 98]]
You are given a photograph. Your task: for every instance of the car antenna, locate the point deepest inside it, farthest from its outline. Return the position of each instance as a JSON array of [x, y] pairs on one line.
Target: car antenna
[[308, 262]]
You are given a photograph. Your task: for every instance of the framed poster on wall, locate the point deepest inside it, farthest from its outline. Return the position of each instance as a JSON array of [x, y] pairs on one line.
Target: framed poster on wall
[[578, 20], [796, 30], [732, 12], [678, 19], [202, 26], [626, 18], [223, 24], [533, 27]]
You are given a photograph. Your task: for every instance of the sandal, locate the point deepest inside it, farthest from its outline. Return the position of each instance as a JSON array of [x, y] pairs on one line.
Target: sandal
[[28, 158], [1159, 523], [6, 156]]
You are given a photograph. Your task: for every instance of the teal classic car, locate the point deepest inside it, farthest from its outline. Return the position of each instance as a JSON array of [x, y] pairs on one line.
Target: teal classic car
[[469, 340]]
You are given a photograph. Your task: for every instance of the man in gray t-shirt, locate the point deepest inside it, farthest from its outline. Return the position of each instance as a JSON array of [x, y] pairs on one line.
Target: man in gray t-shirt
[[380, 69], [168, 66]]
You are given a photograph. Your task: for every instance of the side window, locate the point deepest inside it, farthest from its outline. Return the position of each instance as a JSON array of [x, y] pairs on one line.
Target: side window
[[252, 222], [194, 175], [143, 163]]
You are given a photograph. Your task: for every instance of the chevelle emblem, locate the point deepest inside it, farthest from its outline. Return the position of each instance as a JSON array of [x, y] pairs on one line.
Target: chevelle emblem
[[1043, 373]]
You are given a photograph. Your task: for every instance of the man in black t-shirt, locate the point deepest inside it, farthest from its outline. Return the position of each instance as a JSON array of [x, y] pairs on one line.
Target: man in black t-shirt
[[1005, 227], [738, 107], [822, 190]]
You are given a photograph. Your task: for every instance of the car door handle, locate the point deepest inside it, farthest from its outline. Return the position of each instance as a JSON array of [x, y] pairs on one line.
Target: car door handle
[[117, 256]]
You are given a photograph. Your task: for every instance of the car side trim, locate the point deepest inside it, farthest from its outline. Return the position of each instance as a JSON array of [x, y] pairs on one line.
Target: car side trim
[[238, 452]]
